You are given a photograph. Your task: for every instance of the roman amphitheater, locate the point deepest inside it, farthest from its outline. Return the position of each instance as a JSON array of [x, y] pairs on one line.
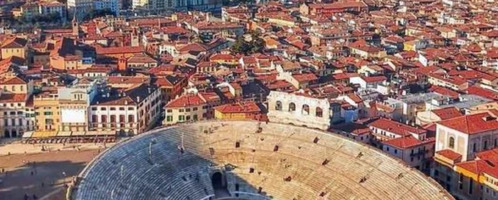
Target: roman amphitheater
[[248, 160]]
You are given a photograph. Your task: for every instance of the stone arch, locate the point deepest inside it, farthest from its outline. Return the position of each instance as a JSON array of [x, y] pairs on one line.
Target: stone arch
[[318, 112], [306, 109], [278, 105], [217, 180], [292, 107]]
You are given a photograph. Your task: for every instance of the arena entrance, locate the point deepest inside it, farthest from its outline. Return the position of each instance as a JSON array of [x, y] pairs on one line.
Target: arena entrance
[[217, 181], [219, 185]]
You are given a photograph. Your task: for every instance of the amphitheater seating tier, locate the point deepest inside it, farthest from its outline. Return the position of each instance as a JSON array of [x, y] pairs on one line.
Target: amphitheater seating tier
[[279, 162]]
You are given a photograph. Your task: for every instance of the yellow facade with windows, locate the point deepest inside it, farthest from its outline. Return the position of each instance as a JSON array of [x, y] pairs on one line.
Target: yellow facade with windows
[[47, 113]]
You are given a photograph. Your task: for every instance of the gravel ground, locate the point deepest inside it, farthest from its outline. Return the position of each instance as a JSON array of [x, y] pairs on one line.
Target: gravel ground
[[40, 174]]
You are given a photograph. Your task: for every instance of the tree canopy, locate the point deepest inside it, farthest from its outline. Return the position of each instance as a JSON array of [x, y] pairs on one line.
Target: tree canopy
[[242, 46]]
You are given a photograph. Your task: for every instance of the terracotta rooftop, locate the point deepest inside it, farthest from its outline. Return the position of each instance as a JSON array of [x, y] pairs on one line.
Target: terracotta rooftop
[[472, 124], [407, 142], [396, 127], [249, 107], [447, 113]]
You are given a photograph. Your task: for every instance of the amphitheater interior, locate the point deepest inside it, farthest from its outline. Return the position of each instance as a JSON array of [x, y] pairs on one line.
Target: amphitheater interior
[[248, 160]]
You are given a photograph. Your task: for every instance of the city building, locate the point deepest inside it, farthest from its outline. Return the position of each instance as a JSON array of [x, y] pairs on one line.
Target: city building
[[47, 111], [53, 7], [74, 101], [239, 111], [15, 47], [126, 112], [16, 111], [191, 107], [465, 155]]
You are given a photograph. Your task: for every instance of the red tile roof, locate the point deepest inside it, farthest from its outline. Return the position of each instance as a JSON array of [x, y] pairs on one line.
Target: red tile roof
[[9, 97], [444, 91], [447, 113], [355, 98], [407, 142], [450, 154], [305, 77], [472, 124], [13, 81], [187, 100], [480, 166], [396, 127], [479, 91], [374, 79], [249, 107]]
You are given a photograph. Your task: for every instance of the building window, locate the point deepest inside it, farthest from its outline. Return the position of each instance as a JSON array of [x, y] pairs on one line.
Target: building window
[[474, 147], [112, 108], [94, 118], [292, 107], [103, 120], [278, 105], [169, 118], [452, 142], [485, 145]]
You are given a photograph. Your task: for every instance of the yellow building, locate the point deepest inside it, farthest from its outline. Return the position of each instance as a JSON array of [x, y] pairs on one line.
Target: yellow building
[[472, 179], [46, 105], [16, 85], [239, 111], [191, 107], [282, 21], [15, 47]]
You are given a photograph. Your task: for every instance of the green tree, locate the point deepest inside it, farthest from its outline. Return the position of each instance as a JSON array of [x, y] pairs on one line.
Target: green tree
[[242, 46]]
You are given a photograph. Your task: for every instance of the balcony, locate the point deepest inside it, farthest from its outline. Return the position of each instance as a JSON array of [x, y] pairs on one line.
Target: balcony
[[421, 153]]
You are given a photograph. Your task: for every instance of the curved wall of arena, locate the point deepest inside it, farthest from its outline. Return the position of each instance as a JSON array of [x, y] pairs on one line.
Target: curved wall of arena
[[251, 160]]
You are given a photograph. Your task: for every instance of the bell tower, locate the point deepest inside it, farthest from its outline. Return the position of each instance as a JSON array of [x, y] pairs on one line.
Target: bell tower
[[75, 26]]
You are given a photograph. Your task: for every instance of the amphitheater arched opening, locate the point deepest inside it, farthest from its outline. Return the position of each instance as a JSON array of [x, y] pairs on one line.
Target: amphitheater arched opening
[[292, 107], [217, 180], [319, 112], [306, 109], [278, 105]]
